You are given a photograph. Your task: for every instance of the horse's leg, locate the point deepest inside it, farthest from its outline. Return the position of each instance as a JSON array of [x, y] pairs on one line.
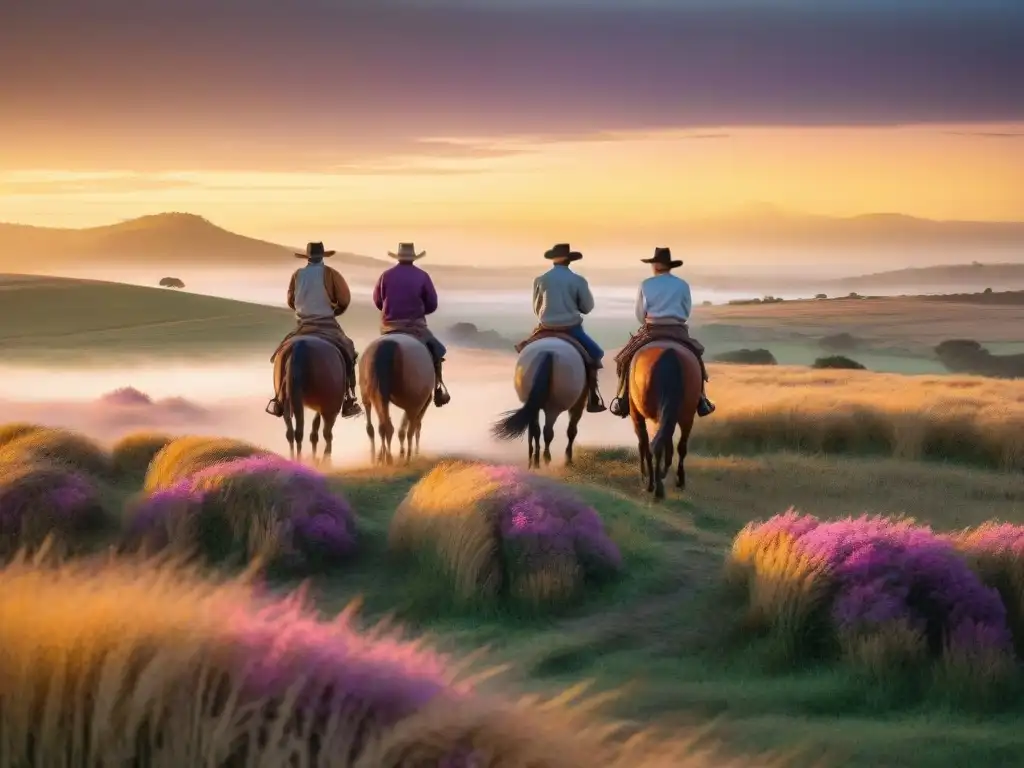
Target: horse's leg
[[403, 434], [643, 446], [533, 442], [314, 435], [575, 414], [368, 410], [550, 417], [419, 424], [289, 428], [300, 426], [685, 428], [329, 419], [385, 431]]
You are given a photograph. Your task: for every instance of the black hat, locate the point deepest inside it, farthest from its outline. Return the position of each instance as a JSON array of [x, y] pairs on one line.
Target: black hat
[[663, 257], [562, 252], [314, 251]]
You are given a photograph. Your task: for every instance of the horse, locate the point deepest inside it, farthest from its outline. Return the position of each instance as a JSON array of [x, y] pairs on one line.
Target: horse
[[310, 374], [664, 387], [550, 377], [396, 369]]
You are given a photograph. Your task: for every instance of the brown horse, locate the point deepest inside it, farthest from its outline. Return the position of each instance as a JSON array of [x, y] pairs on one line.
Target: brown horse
[[550, 377], [664, 386], [396, 369], [310, 374]]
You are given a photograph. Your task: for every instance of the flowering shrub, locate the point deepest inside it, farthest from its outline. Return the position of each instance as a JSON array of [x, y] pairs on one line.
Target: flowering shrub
[[40, 500], [890, 591], [503, 532], [261, 506]]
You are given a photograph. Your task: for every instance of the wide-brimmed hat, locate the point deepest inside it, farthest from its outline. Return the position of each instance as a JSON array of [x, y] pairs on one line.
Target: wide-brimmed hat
[[562, 252], [663, 257], [407, 252], [314, 251]]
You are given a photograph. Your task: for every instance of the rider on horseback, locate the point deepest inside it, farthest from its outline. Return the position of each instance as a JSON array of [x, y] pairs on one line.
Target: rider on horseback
[[560, 299], [663, 306], [405, 295], [318, 294]]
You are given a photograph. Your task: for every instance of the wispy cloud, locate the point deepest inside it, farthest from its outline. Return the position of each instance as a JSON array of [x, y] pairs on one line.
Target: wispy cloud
[[310, 84]]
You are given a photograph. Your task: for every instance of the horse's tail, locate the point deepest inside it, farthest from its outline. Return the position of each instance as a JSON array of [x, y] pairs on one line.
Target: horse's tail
[[382, 369], [297, 380], [667, 381], [514, 423]]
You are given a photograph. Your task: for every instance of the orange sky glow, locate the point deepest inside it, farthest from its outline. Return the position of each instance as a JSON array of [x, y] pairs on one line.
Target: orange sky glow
[[628, 184]]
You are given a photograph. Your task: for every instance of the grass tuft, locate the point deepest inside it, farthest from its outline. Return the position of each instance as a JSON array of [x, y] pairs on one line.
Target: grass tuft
[[132, 454], [58, 446], [184, 456]]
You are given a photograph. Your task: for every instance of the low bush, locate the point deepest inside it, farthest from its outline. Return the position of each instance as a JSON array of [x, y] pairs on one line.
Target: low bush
[[256, 507], [58, 446], [185, 456], [500, 533], [132, 454], [746, 357], [40, 501], [838, 362], [889, 597]]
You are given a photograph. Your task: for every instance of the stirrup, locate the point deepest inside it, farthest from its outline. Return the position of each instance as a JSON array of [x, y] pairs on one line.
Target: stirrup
[[274, 408], [619, 406]]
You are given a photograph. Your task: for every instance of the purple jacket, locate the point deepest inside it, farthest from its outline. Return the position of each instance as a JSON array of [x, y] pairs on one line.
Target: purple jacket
[[405, 292]]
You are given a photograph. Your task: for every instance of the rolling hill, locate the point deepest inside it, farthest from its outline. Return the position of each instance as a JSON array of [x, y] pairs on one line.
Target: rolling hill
[[59, 320], [958, 276]]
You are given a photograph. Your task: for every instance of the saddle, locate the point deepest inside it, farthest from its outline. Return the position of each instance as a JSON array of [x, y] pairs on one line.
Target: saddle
[[550, 333], [649, 333]]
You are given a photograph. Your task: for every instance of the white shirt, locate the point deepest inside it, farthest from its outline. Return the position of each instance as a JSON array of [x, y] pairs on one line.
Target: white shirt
[[663, 297]]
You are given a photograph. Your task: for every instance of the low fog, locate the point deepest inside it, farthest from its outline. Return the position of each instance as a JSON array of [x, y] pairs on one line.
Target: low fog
[[229, 400]]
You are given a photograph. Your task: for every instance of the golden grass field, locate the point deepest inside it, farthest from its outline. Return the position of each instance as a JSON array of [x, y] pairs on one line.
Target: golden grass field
[[880, 322]]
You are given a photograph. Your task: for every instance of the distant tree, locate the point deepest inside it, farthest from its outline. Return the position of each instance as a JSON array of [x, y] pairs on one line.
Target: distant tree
[[747, 357], [171, 282], [987, 290], [706, 304], [838, 362], [820, 296]]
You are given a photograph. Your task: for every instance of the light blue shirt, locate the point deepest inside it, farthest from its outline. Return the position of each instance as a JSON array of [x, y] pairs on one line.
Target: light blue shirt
[[561, 297], [663, 297]]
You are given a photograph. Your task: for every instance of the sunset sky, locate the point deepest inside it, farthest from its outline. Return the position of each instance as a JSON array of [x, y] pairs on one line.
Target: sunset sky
[[525, 121]]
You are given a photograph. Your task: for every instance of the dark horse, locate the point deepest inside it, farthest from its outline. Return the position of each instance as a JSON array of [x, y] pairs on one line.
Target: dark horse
[[396, 369], [309, 373], [550, 378], [664, 387]]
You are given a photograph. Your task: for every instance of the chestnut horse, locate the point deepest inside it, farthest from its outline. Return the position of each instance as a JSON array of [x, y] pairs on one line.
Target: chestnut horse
[[309, 373], [550, 377], [396, 369], [664, 387]]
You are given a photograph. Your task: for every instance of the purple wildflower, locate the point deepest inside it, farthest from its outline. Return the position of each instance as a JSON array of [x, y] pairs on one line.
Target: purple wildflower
[[36, 500], [310, 522], [538, 518]]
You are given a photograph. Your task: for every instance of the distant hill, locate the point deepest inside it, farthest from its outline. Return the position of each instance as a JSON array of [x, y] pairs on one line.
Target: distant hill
[[767, 226], [183, 239], [994, 276], [53, 320]]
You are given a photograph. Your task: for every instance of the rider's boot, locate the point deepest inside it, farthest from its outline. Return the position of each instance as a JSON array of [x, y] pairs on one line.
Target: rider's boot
[[595, 403], [620, 403], [441, 396], [705, 407], [350, 405]]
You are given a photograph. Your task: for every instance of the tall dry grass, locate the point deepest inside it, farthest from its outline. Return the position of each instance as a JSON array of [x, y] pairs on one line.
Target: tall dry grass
[[132, 454], [136, 663], [972, 420], [57, 446], [502, 534], [184, 456]]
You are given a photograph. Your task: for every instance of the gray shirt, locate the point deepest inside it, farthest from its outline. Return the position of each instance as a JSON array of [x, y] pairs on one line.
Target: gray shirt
[[561, 298]]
